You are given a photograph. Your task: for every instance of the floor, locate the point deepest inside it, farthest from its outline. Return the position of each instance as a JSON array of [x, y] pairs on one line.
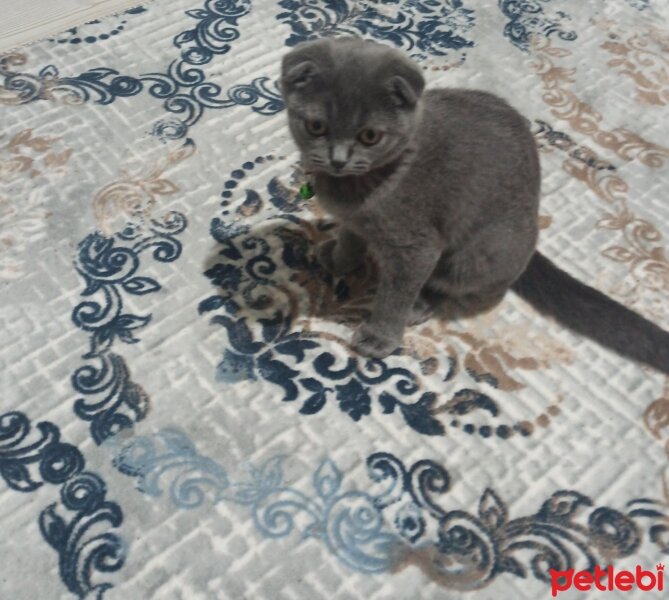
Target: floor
[[25, 22]]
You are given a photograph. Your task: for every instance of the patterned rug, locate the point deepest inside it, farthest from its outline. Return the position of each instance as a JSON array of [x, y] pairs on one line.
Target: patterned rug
[[182, 415]]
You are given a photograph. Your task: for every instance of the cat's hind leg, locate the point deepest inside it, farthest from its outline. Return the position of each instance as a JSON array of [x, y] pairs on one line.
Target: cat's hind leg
[[423, 309], [431, 304], [469, 305], [476, 278]]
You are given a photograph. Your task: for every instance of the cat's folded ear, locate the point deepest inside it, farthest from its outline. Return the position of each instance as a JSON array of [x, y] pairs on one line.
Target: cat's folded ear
[[407, 85], [300, 71], [299, 77]]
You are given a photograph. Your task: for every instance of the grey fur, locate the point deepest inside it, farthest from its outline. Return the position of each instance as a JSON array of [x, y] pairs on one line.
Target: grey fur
[[446, 202]]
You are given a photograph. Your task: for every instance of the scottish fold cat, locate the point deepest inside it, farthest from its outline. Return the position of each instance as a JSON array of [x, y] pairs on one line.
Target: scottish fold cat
[[441, 187]]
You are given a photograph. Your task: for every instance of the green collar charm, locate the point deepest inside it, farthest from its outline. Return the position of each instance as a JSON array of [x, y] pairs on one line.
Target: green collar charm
[[306, 190]]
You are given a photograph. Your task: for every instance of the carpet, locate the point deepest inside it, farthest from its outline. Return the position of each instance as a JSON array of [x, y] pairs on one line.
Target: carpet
[[182, 415]]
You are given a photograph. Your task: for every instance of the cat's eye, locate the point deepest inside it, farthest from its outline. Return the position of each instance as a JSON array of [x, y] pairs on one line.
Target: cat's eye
[[316, 127], [370, 136]]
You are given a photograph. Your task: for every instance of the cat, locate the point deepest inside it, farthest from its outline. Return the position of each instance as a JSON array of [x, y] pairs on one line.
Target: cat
[[441, 187]]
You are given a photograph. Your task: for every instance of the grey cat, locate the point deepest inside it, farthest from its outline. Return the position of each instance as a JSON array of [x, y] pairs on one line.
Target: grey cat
[[442, 188]]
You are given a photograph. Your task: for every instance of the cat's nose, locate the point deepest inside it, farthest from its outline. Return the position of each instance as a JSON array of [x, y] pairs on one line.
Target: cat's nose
[[339, 155]]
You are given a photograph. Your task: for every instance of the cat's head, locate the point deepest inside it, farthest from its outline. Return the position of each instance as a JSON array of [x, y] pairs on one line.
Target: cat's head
[[352, 105]]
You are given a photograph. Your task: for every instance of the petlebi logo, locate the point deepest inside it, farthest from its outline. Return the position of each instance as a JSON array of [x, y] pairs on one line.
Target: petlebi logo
[[607, 580]]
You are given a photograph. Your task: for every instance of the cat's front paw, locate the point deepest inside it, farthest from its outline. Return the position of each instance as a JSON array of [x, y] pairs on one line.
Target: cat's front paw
[[368, 342], [332, 261]]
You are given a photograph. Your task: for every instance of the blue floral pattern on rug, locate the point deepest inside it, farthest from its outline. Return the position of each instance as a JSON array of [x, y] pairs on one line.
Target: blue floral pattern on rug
[[528, 18], [110, 400], [184, 88], [421, 27], [404, 521], [90, 33], [26, 464]]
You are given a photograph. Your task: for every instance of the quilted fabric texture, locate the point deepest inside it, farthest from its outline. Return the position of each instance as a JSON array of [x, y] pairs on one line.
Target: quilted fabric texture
[[182, 416]]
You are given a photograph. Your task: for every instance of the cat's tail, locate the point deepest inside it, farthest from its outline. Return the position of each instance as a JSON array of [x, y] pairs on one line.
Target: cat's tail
[[590, 313]]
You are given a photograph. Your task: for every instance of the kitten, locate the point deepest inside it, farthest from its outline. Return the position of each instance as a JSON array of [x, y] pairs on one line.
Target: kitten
[[441, 187]]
